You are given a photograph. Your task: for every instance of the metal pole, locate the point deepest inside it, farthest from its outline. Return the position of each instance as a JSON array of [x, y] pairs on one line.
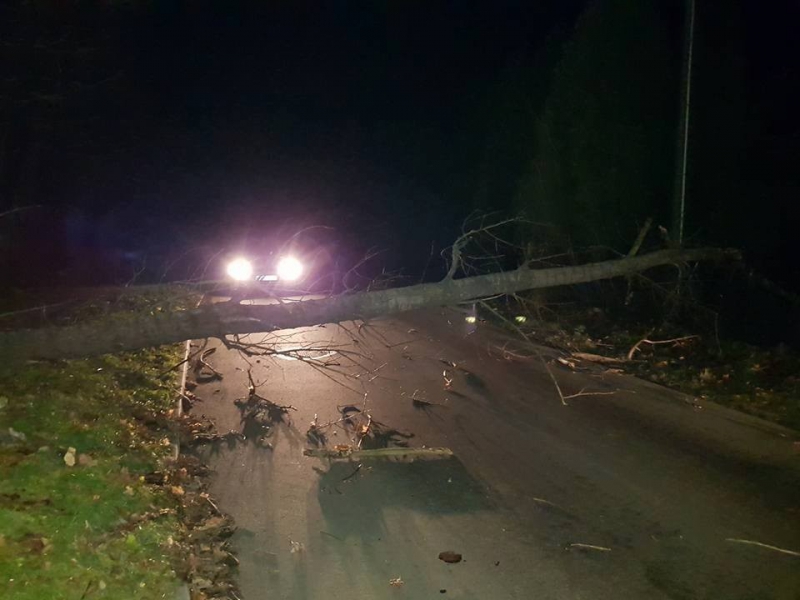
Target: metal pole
[[680, 217]]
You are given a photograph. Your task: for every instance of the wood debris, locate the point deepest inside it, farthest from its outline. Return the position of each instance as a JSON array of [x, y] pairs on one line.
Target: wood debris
[[346, 451], [598, 358]]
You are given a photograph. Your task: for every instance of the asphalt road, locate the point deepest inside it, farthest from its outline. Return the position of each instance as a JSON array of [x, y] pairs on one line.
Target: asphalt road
[[653, 485]]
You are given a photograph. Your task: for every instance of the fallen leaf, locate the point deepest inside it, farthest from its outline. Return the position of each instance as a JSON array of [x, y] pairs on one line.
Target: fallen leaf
[[85, 460], [69, 457], [17, 435], [37, 544], [449, 556]]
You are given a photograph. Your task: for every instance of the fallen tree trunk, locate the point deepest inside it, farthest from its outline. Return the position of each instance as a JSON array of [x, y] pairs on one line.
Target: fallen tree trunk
[[141, 331]]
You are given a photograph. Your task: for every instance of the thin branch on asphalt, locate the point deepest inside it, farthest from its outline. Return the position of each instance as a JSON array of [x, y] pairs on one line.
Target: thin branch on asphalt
[[590, 547], [760, 545]]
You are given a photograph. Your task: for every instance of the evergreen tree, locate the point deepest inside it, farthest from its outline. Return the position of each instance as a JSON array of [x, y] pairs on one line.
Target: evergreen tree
[[603, 151]]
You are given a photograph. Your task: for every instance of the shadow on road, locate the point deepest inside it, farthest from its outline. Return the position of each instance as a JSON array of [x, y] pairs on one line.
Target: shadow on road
[[353, 505]]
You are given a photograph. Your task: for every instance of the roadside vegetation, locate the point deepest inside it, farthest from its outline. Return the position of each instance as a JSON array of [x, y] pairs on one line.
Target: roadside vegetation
[[673, 340], [77, 518], [92, 502]]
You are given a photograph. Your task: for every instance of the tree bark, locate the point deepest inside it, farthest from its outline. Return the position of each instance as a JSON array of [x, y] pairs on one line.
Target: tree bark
[[141, 331]]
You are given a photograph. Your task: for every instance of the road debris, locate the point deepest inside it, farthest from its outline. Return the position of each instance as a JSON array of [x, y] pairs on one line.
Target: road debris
[[353, 474], [598, 358], [570, 364], [677, 341], [449, 556], [448, 380], [761, 545], [589, 547], [420, 402], [315, 434], [203, 371], [353, 453]]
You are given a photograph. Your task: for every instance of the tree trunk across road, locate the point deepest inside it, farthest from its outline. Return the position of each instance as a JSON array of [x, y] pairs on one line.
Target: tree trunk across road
[[141, 331]]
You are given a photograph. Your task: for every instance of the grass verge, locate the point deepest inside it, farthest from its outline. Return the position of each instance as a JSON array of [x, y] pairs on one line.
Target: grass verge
[[77, 517]]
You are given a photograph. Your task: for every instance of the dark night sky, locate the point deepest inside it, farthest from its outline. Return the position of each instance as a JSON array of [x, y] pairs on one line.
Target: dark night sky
[[217, 122], [349, 113]]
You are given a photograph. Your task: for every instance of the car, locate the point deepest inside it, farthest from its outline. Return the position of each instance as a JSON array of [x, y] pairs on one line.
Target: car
[[247, 278]]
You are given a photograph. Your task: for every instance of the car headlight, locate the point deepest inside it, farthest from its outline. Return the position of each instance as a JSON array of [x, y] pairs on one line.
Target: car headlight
[[240, 269], [289, 269]]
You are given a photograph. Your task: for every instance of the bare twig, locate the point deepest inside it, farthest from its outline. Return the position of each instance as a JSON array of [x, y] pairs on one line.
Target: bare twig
[[760, 545], [364, 432], [590, 547], [635, 347], [598, 358], [535, 350], [465, 238], [17, 209], [185, 360], [353, 474], [640, 238], [585, 393], [203, 364], [547, 502]]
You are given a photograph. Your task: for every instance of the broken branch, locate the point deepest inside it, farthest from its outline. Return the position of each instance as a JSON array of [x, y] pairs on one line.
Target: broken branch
[[353, 453], [760, 545], [635, 347]]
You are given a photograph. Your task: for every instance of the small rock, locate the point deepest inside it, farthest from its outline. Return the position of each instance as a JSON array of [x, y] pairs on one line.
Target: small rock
[[69, 457]]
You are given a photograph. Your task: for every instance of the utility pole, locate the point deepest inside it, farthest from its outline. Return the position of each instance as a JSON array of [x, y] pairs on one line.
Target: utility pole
[[679, 202]]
